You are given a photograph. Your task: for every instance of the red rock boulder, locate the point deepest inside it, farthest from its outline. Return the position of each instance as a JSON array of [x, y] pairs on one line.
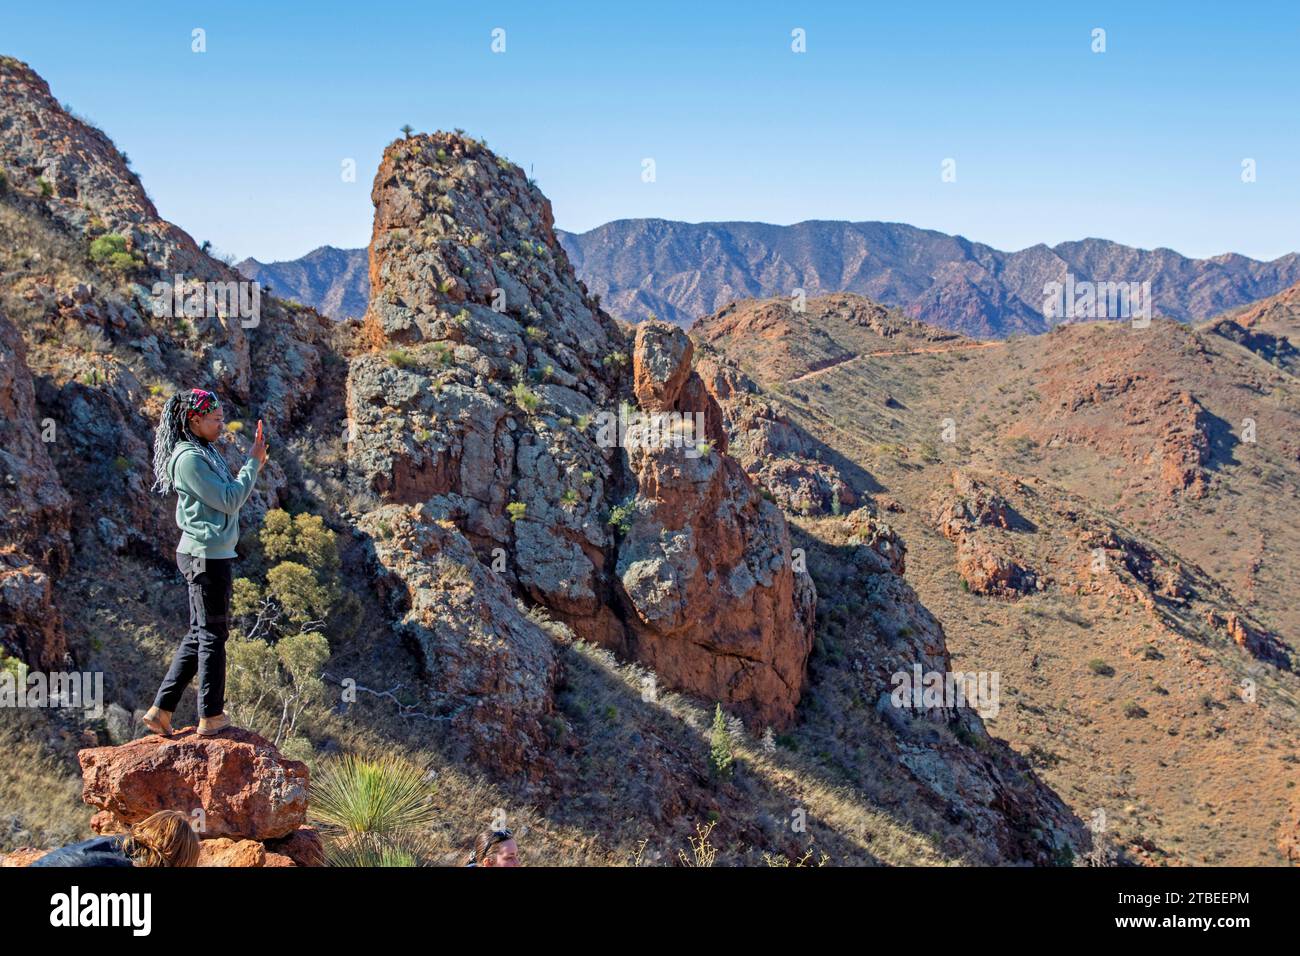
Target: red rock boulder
[[245, 788]]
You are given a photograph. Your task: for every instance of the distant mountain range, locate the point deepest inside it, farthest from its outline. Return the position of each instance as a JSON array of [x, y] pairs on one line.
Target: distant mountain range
[[680, 271], [336, 282]]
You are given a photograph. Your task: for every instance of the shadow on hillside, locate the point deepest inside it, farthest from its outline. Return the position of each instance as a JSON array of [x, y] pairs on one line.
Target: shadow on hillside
[[1018, 522], [652, 758], [1223, 440], [871, 625]]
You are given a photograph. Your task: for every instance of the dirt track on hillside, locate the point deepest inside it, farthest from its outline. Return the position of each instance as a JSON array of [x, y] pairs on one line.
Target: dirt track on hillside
[[964, 347]]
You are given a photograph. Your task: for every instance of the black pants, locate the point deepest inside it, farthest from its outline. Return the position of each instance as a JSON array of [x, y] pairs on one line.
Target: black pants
[[203, 649]]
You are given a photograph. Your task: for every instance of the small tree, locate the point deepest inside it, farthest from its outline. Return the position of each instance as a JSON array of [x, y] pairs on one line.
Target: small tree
[[407, 130], [721, 755]]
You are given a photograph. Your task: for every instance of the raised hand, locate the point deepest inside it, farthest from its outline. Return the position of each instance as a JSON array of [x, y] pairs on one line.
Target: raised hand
[[259, 445]]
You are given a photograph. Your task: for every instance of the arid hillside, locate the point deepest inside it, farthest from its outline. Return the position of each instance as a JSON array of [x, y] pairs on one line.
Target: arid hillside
[[623, 649], [1098, 514]]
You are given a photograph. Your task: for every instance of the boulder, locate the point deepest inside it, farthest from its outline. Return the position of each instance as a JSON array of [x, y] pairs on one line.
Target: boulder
[[661, 363], [245, 788], [224, 851], [303, 847]]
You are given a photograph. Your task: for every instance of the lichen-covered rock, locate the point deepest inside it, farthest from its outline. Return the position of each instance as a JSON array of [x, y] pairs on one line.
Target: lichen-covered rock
[[879, 544], [706, 564], [485, 402], [661, 364], [491, 669]]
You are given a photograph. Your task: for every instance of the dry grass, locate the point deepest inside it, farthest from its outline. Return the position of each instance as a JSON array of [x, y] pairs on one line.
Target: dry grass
[[40, 786]]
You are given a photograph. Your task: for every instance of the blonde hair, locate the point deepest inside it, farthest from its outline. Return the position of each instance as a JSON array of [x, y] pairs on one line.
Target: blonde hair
[[162, 839]]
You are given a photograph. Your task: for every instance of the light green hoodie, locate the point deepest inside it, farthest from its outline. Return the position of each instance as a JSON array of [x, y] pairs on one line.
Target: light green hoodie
[[208, 503]]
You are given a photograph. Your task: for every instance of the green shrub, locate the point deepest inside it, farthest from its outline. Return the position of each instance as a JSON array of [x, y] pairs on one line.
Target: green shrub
[[111, 252], [1101, 668], [303, 538], [296, 589], [721, 755], [516, 510], [47, 190], [401, 358], [270, 686], [621, 515], [525, 398], [106, 246], [387, 795]]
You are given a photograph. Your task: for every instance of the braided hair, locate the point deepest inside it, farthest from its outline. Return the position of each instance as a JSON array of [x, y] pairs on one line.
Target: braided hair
[[173, 428]]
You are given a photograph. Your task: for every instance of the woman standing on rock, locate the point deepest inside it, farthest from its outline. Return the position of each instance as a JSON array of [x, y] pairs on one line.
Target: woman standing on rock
[[208, 499]]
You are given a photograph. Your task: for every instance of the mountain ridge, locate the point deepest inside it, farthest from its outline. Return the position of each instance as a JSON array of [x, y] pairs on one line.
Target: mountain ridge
[[681, 271]]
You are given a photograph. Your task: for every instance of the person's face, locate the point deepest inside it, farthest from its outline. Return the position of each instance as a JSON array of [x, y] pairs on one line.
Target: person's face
[[505, 853], [208, 426]]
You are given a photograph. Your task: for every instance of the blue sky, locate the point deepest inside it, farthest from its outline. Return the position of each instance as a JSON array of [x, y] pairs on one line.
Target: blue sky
[[1143, 144]]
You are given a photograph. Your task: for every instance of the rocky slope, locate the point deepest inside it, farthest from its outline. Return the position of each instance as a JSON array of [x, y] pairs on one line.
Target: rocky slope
[[1270, 328], [88, 379], [1090, 513]]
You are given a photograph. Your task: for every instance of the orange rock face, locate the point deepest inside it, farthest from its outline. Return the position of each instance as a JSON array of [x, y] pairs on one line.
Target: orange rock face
[[706, 566], [245, 789]]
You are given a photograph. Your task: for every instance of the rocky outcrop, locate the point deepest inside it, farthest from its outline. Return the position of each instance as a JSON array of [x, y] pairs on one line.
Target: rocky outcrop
[[245, 789], [777, 454], [880, 547], [976, 518], [1258, 642], [492, 667], [488, 398], [34, 516], [705, 563]]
